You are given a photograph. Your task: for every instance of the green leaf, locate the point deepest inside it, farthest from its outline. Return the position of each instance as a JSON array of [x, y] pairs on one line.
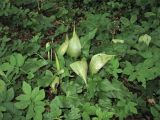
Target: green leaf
[[38, 116], [149, 14], [26, 88], [55, 110], [2, 86], [12, 60], [22, 104], [2, 109], [40, 96], [10, 94], [39, 109], [133, 19], [35, 92], [74, 114], [30, 112], [125, 21], [20, 59], [2, 74], [6, 67], [86, 41], [23, 97]]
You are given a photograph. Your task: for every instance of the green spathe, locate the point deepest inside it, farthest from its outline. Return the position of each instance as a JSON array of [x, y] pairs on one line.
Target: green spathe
[[98, 61], [80, 68], [54, 85], [145, 39], [63, 48], [74, 46]]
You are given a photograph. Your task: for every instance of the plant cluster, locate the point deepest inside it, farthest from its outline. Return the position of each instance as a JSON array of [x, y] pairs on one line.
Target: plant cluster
[[108, 68]]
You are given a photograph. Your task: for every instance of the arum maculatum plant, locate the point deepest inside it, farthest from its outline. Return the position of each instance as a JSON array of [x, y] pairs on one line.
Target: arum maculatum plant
[[72, 46], [80, 67], [98, 61], [63, 48], [55, 83]]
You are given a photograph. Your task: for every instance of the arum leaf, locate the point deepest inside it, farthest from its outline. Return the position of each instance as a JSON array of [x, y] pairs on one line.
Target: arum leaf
[[63, 48], [74, 46], [98, 61], [80, 68]]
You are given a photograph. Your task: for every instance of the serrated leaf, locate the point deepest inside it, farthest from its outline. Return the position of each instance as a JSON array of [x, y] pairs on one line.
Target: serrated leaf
[[26, 88], [133, 19], [12, 60], [23, 97], [39, 109], [6, 67], [125, 21], [40, 96], [35, 92], [10, 94], [20, 59], [22, 105], [2, 86], [30, 112]]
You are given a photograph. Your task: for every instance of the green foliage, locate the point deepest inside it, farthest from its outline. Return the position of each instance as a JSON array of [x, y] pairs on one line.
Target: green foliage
[[32, 101], [87, 82]]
